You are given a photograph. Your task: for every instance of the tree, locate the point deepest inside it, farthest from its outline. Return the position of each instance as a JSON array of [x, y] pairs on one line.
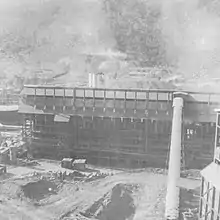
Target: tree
[[136, 28]]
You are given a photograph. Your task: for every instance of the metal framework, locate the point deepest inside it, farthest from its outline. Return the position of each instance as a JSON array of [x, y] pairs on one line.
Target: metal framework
[[210, 186], [217, 140], [128, 126], [210, 201]]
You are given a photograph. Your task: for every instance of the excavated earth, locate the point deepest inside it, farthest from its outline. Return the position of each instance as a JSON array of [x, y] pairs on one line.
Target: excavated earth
[[117, 195]]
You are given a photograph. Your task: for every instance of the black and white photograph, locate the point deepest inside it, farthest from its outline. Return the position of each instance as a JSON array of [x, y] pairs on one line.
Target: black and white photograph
[[110, 110]]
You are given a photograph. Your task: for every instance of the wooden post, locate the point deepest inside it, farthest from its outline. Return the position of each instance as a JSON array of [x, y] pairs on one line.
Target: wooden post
[[84, 99], [74, 99], [35, 94], [146, 135], [104, 106], [172, 197], [207, 201], [93, 100], [45, 100], [54, 99], [201, 199], [125, 100], [213, 203], [64, 100], [218, 211]]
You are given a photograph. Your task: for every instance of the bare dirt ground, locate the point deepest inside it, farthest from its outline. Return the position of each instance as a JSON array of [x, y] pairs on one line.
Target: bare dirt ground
[[33, 193]]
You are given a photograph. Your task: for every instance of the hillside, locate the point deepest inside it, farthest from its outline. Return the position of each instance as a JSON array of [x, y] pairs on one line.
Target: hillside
[[51, 35], [44, 37]]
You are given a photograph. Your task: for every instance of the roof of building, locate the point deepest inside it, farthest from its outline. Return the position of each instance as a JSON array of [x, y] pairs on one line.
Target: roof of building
[[78, 161], [211, 173]]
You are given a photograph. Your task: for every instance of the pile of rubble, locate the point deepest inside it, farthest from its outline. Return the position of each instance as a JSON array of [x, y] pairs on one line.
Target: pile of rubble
[[77, 176], [96, 176], [68, 176]]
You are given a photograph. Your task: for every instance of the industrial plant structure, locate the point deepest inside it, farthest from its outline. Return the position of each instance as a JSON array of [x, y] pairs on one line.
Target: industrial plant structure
[[129, 128], [117, 126]]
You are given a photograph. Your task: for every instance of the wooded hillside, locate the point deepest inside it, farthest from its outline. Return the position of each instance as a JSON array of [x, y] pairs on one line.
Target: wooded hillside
[[50, 36]]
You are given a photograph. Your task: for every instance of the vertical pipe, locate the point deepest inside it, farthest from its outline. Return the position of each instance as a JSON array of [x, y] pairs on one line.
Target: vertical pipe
[[172, 197]]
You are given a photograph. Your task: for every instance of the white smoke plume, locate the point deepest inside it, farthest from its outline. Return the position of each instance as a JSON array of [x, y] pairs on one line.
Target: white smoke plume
[[192, 36]]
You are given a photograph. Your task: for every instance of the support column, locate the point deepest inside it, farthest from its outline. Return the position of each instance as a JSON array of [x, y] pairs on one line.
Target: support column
[[172, 197], [146, 134]]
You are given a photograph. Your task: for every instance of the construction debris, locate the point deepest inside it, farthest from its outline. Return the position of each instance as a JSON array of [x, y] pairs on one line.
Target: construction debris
[[95, 176], [12, 148]]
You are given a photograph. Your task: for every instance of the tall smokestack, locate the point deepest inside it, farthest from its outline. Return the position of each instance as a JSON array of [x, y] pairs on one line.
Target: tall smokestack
[[172, 198]]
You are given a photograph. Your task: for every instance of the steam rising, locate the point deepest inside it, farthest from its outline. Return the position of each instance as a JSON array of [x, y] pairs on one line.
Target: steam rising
[[192, 35]]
